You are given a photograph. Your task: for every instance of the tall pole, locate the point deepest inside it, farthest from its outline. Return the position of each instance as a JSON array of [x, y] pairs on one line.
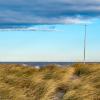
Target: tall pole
[[85, 43]]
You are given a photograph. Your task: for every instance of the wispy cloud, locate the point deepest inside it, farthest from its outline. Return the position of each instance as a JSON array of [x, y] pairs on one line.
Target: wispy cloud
[[49, 11]]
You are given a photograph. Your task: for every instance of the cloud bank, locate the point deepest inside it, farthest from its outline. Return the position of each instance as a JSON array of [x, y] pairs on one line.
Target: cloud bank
[[48, 11]]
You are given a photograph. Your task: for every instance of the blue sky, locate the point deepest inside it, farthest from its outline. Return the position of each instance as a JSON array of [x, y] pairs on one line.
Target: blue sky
[[65, 45], [66, 15]]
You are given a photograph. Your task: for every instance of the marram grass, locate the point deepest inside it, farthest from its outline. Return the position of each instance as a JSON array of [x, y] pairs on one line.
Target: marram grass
[[77, 82]]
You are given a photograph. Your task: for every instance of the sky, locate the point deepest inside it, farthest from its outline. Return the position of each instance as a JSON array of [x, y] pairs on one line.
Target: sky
[[65, 43]]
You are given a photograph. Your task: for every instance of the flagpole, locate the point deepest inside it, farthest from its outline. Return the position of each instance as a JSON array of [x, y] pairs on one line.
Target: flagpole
[[85, 44]]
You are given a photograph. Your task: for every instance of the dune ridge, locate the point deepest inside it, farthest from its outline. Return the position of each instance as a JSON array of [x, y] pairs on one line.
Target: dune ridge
[[51, 82]]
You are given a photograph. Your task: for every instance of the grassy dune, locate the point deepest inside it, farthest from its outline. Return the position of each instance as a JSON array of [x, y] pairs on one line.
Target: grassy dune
[[78, 82]]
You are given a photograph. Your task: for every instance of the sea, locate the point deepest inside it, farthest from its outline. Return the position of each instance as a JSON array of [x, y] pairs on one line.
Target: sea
[[40, 64]]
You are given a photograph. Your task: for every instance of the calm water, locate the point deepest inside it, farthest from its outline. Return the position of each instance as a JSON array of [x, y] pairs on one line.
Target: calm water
[[42, 63]]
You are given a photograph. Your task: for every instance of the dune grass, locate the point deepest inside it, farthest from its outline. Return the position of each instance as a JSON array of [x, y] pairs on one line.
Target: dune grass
[[78, 82]]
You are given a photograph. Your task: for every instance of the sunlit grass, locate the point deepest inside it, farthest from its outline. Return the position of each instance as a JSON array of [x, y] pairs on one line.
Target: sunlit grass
[[51, 82]]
